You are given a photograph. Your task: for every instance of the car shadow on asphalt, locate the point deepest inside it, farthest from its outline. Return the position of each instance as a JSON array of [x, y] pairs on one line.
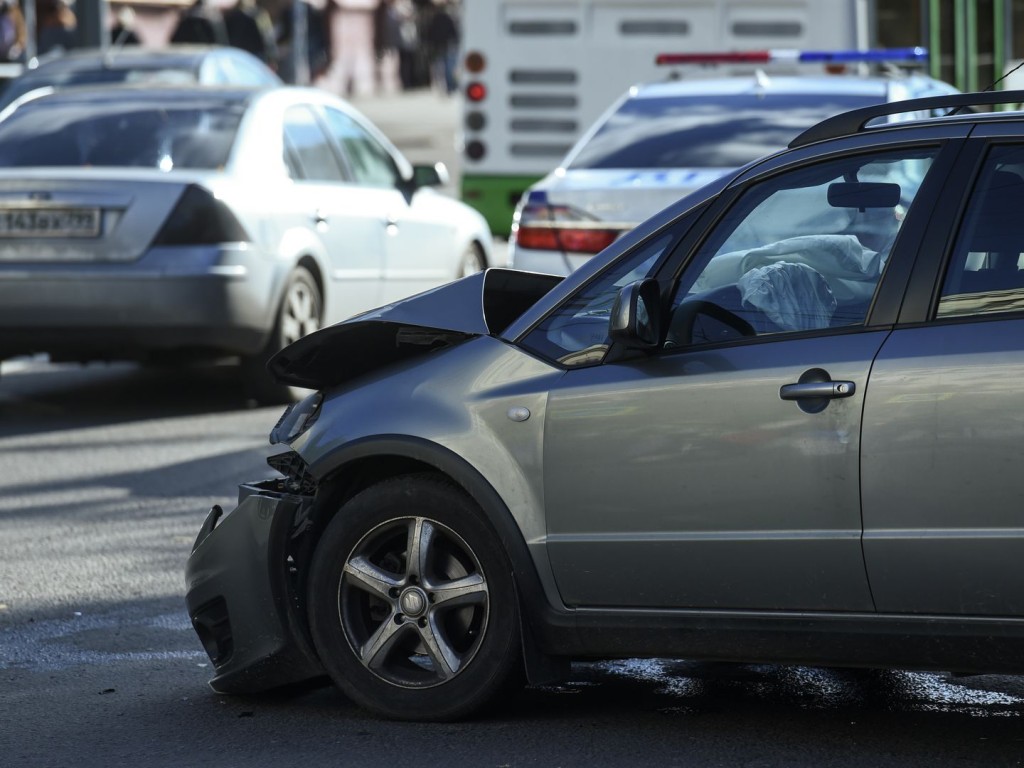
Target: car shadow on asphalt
[[41, 397]]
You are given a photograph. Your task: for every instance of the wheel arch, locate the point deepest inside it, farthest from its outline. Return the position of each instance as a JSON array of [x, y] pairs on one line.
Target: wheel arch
[[367, 461]]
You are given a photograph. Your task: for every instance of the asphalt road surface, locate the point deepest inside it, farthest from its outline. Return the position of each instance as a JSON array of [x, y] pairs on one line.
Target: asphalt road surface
[[106, 473]]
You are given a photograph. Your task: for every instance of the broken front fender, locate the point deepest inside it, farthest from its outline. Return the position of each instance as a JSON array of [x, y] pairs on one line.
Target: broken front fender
[[481, 304]]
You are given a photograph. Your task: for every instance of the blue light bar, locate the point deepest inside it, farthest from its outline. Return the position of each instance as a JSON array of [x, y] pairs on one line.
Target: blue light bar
[[878, 55], [795, 56]]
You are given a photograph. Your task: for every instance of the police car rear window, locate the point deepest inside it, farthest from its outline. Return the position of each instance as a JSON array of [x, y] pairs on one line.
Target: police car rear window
[[707, 131]]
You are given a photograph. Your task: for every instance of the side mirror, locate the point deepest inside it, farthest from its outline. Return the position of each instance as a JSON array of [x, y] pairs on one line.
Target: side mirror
[[435, 175], [635, 322]]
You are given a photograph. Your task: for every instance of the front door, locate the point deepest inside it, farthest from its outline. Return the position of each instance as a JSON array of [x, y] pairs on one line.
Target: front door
[[723, 472]]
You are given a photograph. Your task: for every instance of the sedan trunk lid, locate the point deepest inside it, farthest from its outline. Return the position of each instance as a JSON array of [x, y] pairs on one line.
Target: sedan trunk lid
[[72, 216]]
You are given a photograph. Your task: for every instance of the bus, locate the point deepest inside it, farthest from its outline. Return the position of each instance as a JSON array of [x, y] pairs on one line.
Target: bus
[[537, 73]]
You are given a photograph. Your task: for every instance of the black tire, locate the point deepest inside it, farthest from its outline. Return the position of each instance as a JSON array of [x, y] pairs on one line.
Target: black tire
[[299, 314], [434, 637], [472, 261]]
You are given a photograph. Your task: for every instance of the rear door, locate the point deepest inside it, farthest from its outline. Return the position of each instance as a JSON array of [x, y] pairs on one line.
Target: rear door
[[347, 219], [419, 239], [943, 437]]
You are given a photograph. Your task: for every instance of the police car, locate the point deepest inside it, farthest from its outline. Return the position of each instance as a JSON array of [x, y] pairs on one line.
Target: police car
[[660, 141]]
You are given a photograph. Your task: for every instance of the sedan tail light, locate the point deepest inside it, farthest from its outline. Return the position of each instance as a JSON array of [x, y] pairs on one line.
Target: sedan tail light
[[199, 218], [563, 228]]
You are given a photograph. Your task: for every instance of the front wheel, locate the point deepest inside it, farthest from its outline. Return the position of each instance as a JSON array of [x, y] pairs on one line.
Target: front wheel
[[412, 605]]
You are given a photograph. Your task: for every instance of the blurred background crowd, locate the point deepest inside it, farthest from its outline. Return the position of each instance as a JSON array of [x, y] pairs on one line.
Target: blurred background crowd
[[353, 47]]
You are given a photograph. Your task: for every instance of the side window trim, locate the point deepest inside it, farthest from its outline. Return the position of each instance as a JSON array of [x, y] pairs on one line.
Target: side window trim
[[687, 222], [364, 137], [309, 116], [339, 150], [292, 161], [575, 335], [935, 229], [987, 159]]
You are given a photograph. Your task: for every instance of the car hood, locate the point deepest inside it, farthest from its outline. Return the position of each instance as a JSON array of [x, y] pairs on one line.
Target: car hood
[[625, 195], [481, 304]]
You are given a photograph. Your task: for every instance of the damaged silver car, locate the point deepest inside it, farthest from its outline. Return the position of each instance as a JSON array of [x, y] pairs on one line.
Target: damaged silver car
[[775, 423]]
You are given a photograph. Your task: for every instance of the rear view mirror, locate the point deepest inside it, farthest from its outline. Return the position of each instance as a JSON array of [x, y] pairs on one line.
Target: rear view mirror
[[636, 317], [863, 194]]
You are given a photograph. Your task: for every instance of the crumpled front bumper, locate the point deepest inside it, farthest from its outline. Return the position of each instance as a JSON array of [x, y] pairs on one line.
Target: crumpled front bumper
[[240, 597]]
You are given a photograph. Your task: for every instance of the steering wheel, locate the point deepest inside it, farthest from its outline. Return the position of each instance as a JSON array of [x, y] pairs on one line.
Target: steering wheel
[[684, 319]]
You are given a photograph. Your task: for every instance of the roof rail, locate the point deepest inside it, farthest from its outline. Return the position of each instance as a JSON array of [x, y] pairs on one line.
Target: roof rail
[[856, 120]]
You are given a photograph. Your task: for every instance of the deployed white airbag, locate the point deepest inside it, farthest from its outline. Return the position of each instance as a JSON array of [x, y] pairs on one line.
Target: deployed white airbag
[[850, 269], [793, 296]]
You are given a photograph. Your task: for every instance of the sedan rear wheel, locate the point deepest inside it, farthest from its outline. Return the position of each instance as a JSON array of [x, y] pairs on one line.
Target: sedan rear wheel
[[412, 606], [472, 261], [300, 313]]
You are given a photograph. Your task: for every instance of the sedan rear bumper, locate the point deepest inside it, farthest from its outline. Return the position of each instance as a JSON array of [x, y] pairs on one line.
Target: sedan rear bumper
[[184, 298], [239, 599]]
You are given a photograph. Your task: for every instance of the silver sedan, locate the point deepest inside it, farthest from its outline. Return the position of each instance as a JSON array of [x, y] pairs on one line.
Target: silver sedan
[[207, 222]]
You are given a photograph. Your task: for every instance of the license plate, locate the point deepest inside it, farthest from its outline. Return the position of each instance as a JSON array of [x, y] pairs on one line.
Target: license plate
[[49, 222]]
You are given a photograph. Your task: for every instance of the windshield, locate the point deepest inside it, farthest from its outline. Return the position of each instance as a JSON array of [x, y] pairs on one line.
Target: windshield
[[54, 132], [712, 131]]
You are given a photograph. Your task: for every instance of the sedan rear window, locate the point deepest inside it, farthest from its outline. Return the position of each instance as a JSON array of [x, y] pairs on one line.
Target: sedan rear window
[[74, 133], [103, 76], [719, 131]]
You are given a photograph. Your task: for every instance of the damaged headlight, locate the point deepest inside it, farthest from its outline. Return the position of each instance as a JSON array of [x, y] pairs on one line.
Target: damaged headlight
[[297, 418], [296, 475]]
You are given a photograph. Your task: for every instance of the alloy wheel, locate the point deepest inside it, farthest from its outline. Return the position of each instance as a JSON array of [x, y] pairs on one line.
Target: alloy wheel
[[413, 602], [300, 313]]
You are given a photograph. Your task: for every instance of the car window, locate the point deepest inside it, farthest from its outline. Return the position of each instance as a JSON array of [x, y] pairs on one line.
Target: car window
[[308, 149], [577, 333], [712, 131], [58, 131], [802, 251], [212, 72], [371, 163], [245, 70], [986, 272]]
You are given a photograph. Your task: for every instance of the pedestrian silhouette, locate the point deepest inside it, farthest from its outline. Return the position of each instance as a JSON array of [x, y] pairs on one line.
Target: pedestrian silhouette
[[443, 43], [55, 27], [201, 23], [249, 27]]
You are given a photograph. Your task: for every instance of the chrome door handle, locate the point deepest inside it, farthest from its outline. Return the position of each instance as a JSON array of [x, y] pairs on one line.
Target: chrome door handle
[[319, 218], [817, 389]]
